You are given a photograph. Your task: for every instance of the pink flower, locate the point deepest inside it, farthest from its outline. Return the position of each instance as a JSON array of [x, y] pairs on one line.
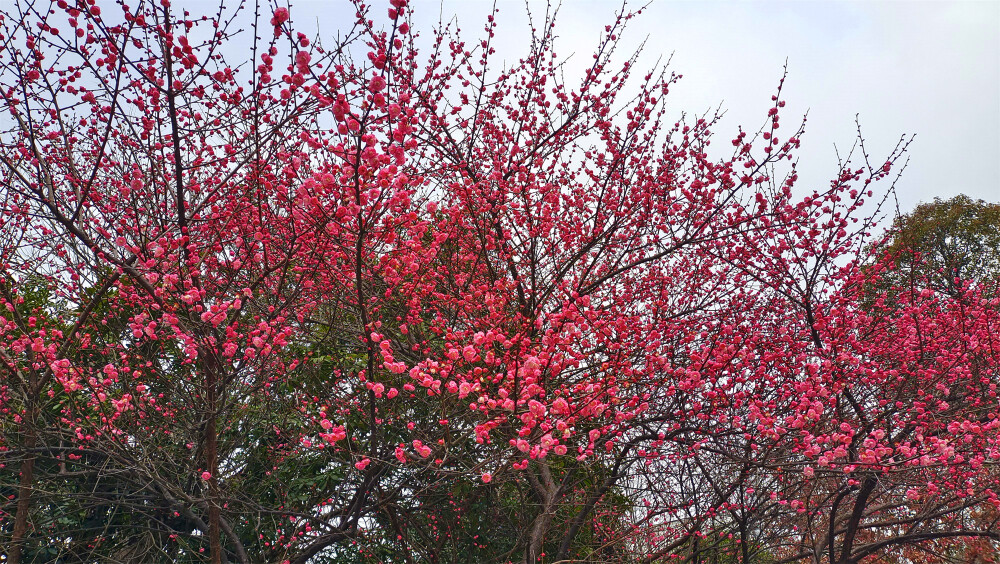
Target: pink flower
[[536, 408], [422, 449], [206, 476], [302, 59], [280, 16], [560, 406], [363, 463], [469, 352], [487, 477]]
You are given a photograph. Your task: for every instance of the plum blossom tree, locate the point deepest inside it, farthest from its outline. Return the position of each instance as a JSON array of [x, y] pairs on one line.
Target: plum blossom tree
[[381, 300]]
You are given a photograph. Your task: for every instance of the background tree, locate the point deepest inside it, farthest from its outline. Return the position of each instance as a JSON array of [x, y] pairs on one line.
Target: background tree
[[946, 244]]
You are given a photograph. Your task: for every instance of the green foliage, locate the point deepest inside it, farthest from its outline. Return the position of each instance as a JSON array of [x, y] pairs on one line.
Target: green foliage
[[943, 244]]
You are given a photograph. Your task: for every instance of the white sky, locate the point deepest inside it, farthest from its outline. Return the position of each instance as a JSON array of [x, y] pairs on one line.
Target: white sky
[[926, 67], [929, 68]]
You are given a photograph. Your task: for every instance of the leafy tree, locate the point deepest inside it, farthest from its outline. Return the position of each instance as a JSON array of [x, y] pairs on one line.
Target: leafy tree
[[946, 244]]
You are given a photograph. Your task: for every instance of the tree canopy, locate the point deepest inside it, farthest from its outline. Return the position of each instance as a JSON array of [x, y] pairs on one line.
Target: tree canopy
[[948, 243]]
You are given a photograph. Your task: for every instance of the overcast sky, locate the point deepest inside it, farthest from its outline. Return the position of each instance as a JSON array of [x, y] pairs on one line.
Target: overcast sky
[[929, 68]]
